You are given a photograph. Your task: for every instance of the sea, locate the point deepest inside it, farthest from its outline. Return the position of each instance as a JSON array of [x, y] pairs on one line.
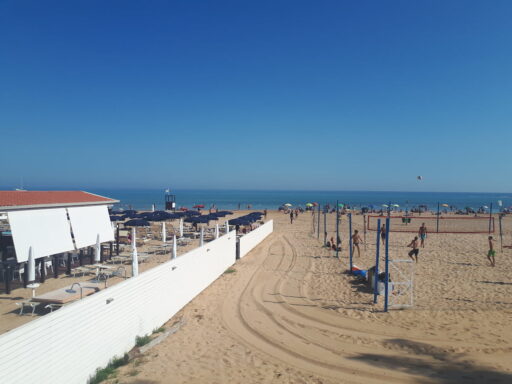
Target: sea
[[141, 199]]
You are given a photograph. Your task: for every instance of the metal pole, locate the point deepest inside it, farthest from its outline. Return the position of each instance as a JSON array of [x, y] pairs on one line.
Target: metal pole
[[364, 231], [350, 239], [490, 217], [501, 234], [325, 229], [318, 224], [437, 221], [376, 277], [117, 239], [386, 288], [337, 229]]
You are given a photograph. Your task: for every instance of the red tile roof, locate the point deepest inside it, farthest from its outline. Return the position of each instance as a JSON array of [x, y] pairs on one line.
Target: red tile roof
[[40, 199]]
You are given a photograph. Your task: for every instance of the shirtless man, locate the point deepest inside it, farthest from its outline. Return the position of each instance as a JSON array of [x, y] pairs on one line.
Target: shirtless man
[[415, 250], [356, 239], [383, 233], [491, 253], [422, 234]]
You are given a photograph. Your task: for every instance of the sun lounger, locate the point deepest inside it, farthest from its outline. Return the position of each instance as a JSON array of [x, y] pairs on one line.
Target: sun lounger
[[53, 306]]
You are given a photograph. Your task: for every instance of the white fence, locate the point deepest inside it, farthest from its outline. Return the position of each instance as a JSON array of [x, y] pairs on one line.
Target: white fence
[[68, 345], [253, 238]]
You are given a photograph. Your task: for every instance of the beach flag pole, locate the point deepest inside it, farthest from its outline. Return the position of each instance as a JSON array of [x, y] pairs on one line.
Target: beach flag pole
[[437, 221], [490, 217], [350, 239], [386, 287], [337, 229], [376, 277], [318, 224]]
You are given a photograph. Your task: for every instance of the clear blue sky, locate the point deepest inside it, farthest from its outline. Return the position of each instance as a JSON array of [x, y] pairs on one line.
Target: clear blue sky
[[329, 95]]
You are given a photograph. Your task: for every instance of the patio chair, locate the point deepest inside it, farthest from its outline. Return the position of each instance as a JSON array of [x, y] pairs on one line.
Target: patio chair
[[27, 303]]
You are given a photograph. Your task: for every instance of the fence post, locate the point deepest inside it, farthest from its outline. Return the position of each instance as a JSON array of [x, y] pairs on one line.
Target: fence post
[[376, 277], [386, 288]]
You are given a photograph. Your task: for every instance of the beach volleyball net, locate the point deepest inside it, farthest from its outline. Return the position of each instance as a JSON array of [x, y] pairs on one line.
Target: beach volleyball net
[[478, 224]]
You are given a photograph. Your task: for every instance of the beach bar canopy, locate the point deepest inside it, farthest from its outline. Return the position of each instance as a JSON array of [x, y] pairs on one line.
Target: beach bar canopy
[[39, 219]]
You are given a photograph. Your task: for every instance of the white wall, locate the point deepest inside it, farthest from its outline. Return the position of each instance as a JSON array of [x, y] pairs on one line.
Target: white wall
[[253, 238], [67, 346]]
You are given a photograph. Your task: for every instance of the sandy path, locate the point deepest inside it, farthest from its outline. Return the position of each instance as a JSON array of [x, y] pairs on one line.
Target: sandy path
[[290, 315]]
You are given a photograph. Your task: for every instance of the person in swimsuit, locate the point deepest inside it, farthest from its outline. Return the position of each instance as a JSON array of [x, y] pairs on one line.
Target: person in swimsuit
[[415, 250], [356, 239], [383, 233], [491, 253], [423, 234], [291, 217]]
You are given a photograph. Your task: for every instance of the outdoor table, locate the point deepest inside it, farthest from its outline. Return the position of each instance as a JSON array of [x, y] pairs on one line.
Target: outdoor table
[[65, 295]]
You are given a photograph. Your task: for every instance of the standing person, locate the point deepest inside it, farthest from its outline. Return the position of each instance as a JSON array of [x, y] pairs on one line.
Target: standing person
[[265, 214], [238, 206], [491, 253], [356, 239], [291, 217], [296, 213], [423, 234], [383, 233], [415, 250]]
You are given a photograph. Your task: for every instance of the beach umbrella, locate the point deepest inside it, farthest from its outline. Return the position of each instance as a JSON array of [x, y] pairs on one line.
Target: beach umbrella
[[217, 231], [341, 205], [135, 261], [164, 234], [227, 227], [116, 218], [485, 207], [385, 205], [174, 247], [444, 205], [137, 223], [181, 227], [287, 205], [113, 212], [130, 212], [198, 206], [184, 209], [31, 265], [97, 249], [201, 240], [395, 205]]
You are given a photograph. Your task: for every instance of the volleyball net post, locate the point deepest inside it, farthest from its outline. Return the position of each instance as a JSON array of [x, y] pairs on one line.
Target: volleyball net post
[[364, 230], [386, 280], [376, 276], [350, 239], [490, 217], [337, 229], [325, 227], [437, 221], [318, 224], [501, 233]]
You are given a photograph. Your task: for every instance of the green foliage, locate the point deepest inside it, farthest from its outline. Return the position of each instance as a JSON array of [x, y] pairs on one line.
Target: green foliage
[[109, 371], [159, 330], [142, 340], [230, 270]]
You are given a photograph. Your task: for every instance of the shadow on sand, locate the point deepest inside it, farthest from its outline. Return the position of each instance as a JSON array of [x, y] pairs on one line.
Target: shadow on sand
[[447, 368]]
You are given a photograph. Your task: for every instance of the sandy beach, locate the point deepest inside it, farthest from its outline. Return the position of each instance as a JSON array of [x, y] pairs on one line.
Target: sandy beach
[[290, 314]]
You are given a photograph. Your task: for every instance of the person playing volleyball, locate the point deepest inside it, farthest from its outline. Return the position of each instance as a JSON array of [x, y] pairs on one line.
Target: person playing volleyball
[[422, 232], [356, 239], [415, 250], [491, 253], [383, 233]]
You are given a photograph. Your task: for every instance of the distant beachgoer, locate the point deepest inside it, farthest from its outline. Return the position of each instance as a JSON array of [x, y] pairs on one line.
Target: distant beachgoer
[[415, 250], [238, 206], [356, 239], [383, 233], [296, 213], [491, 253], [291, 217], [423, 234], [265, 213]]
